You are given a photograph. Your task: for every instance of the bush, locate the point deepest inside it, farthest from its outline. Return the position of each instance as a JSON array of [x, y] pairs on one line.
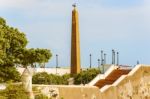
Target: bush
[[85, 76], [13, 92], [41, 96], [41, 78], [9, 74], [45, 78]]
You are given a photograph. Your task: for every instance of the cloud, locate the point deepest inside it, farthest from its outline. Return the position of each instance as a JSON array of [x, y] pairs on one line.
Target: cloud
[[117, 23], [47, 24]]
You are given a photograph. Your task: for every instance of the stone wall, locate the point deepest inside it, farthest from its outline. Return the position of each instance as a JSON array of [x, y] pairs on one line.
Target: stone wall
[[67, 91], [60, 71], [135, 85]]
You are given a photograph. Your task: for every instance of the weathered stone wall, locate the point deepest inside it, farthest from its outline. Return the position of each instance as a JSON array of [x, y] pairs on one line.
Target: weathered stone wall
[[68, 92], [135, 85], [60, 71]]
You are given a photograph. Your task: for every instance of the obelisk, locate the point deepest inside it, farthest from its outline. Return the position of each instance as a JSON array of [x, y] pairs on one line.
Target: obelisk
[[75, 43]]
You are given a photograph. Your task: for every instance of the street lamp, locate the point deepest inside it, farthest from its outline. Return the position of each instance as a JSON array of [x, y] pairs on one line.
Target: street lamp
[[101, 57], [138, 62], [117, 58], [105, 58], [90, 60], [113, 56], [99, 63], [56, 62]]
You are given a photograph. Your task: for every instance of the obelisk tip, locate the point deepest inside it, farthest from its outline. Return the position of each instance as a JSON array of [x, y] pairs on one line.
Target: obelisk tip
[[74, 5]]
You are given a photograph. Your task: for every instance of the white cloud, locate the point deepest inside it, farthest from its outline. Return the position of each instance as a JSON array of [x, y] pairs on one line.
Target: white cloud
[[47, 24], [14, 3], [106, 23]]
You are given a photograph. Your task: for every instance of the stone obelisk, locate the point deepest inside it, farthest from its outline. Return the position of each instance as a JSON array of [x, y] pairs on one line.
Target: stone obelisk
[[75, 43]]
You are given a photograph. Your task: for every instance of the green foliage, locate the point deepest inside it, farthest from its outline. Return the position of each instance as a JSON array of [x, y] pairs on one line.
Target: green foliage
[[14, 92], [9, 74], [41, 96], [85, 76], [65, 78], [32, 56], [45, 78], [13, 52], [11, 40], [41, 78]]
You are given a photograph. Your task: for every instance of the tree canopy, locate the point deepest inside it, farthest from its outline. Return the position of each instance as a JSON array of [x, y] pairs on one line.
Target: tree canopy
[[13, 49], [86, 76], [32, 56], [11, 40], [45, 78]]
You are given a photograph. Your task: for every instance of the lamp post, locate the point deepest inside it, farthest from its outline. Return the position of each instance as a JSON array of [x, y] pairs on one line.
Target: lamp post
[[56, 62], [90, 60], [112, 56], [138, 62], [99, 63], [105, 58], [101, 57], [117, 58], [103, 66]]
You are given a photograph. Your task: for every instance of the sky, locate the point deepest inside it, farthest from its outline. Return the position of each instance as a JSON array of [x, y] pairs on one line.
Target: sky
[[122, 25]]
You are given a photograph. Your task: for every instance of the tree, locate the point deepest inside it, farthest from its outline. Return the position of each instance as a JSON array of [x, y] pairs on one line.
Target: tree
[[45, 78], [13, 51], [9, 73], [13, 92], [11, 40], [86, 76], [29, 57]]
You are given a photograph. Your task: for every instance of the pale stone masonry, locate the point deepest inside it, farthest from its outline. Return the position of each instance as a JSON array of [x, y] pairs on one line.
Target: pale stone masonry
[[60, 71], [134, 85]]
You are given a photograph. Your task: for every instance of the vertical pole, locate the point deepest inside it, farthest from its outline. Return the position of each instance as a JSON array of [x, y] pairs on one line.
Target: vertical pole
[[117, 58], [90, 60], [138, 62], [104, 58], [81, 77], [56, 62], [103, 66], [98, 62], [101, 57], [112, 56]]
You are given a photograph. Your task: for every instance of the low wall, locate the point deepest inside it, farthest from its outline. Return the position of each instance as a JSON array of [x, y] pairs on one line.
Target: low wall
[[60, 71], [135, 85], [68, 91]]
